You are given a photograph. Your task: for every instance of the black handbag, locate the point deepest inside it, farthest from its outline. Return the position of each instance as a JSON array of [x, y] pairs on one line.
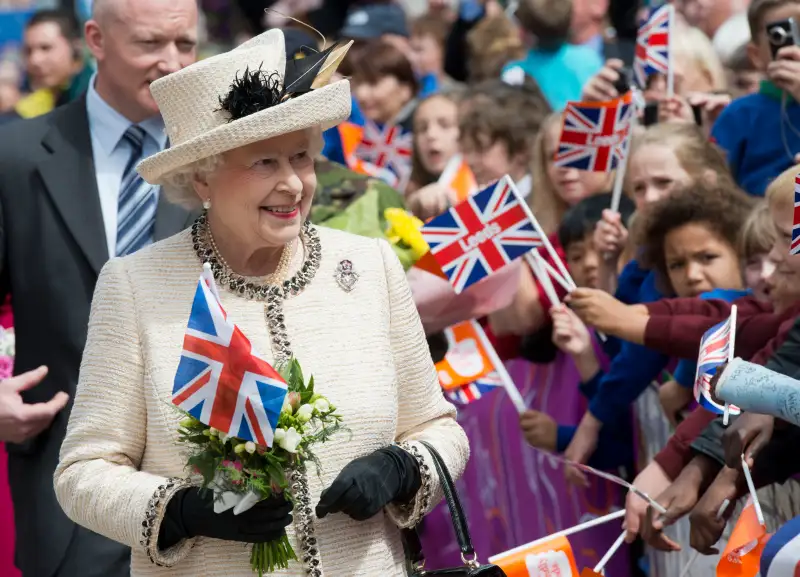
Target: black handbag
[[471, 566]]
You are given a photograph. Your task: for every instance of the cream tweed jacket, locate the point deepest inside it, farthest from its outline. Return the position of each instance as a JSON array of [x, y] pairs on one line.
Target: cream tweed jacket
[[366, 350]]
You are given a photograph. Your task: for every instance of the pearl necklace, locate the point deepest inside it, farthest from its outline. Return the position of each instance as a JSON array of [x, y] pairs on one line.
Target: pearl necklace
[[280, 272]]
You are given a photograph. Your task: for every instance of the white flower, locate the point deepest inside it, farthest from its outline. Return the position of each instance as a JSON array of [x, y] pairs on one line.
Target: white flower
[[322, 405], [289, 440], [223, 437], [279, 435], [250, 447], [287, 406], [213, 432], [304, 413]]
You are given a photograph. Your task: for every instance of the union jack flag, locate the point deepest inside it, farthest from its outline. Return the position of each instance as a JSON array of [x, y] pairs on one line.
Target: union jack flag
[[481, 234], [652, 54], [795, 247], [388, 148], [594, 135], [220, 380], [477, 389], [716, 348]]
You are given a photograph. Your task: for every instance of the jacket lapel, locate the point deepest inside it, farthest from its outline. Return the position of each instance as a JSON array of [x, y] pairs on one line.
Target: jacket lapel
[[68, 174]]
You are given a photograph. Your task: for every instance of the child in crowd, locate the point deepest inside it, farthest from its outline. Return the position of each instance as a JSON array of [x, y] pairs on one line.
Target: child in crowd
[[436, 135], [756, 240], [558, 188], [761, 132], [428, 35], [384, 88], [493, 42], [675, 327], [743, 76], [560, 68], [572, 338], [663, 158]]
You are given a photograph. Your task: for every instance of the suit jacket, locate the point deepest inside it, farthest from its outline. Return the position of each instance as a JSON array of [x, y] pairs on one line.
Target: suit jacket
[[365, 348], [52, 247]]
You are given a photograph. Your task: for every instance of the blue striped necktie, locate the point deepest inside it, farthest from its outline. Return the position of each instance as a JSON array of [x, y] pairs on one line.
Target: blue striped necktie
[[136, 208]]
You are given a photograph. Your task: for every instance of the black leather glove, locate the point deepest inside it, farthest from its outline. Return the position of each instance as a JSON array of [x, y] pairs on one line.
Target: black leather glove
[[367, 484], [190, 513]]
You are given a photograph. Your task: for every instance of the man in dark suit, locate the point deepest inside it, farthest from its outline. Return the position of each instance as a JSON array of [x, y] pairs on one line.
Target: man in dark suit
[[70, 199]]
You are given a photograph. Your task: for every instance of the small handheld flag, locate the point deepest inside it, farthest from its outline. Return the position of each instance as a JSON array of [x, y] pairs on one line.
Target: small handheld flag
[[481, 235], [220, 380], [594, 134], [553, 557], [652, 54], [781, 554], [387, 152], [743, 551], [795, 247], [716, 348]]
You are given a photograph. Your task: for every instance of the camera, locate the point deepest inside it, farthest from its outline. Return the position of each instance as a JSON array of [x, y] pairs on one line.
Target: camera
[[623, 83], [782, 33]]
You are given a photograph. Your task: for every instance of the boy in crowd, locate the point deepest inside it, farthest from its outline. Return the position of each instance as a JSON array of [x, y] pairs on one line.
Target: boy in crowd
[[561, 69], [761, 132]]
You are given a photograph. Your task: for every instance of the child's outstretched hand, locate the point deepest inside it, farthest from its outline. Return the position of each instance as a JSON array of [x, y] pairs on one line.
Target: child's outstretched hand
[[674, 399], [602, 311], [540, 430], [570, 335], [610, 235]]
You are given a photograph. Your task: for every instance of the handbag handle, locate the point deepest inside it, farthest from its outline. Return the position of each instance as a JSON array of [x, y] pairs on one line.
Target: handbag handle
[[454, 505]]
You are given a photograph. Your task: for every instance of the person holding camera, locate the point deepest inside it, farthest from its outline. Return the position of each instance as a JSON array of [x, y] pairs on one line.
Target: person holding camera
[[761, 132]]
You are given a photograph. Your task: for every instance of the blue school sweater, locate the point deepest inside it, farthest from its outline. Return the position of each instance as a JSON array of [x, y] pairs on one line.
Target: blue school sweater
[[614, 447], [749, 131], [686, 370], [635, 366]]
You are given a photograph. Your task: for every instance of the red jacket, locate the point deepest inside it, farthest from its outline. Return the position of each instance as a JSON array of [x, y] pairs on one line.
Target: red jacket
[[675, 328]]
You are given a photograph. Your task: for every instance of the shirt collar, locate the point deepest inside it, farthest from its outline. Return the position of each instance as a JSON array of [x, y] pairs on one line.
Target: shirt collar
[[108, 125], [767, 88], [596, 43]]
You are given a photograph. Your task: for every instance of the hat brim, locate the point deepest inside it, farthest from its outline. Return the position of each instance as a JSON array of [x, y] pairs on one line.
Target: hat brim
[[325, 107]]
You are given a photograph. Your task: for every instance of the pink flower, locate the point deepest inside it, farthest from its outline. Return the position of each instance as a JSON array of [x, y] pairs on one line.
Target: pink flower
[[294, 400], [6, 367], [232, 464]]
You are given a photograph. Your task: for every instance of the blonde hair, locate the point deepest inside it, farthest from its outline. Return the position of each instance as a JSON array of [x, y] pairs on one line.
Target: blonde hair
[[178, 185], [758, 233], [693, 46], [781, 190], [492, 44], [544, 200], [696, 155]]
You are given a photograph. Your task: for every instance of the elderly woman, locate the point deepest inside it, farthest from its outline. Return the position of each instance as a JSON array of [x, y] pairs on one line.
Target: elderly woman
[[245, 128]]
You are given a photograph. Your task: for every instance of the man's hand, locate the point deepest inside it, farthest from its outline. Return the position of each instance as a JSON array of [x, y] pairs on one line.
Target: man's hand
[[784, 71], [20, 421], [746, 436]]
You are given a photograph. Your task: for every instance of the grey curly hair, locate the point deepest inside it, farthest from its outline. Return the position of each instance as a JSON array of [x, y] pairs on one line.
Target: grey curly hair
[[178, 185]]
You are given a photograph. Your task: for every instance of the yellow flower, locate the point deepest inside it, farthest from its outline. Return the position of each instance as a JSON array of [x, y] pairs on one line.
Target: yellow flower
[[404, 227]]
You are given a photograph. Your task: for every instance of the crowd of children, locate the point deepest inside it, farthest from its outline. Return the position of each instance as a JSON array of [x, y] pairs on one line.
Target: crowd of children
[[705, 223]]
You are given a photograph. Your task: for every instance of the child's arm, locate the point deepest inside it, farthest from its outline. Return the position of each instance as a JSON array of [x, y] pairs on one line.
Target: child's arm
[[572, 337]]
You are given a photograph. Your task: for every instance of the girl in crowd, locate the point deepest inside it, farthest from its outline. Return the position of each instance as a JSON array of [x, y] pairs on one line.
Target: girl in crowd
[[436, 133]]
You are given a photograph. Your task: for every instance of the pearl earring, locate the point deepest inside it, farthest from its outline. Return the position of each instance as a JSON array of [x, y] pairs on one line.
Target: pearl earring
[[207, 203]]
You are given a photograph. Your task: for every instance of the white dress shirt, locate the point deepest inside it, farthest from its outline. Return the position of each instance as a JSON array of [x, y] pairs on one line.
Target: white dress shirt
[[107, 127]]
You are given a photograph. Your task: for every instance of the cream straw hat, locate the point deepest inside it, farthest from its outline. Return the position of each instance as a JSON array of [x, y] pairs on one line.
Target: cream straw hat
[[198, 127]]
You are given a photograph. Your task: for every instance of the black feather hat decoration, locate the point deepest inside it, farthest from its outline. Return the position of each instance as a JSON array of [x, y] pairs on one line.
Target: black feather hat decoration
[[257, 90]]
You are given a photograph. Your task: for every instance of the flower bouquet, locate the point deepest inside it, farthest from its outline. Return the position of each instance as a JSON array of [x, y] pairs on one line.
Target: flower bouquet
[[242, 473]]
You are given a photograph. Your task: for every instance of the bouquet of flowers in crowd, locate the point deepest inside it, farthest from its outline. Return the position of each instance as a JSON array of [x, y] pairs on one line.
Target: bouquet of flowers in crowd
[[242, 473], [403, 232]]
